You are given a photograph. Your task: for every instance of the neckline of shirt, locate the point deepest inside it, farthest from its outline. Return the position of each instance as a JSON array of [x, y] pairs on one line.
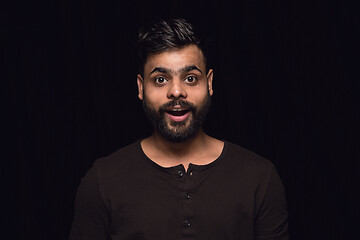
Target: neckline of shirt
[[175, 169]]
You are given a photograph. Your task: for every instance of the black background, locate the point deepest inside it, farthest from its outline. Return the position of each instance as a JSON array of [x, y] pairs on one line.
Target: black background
[[285, 86]]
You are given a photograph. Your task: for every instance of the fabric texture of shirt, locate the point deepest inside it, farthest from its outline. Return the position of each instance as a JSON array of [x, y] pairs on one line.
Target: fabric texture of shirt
[[127, 196]]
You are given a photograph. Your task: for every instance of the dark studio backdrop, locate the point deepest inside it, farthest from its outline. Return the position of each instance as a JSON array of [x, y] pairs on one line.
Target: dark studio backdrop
[[286, 87]]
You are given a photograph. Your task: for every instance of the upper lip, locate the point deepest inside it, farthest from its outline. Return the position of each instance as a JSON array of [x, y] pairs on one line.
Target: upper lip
[[177, 109]]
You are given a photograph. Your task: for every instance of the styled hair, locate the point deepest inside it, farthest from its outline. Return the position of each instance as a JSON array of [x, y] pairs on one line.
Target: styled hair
[[164, 35]]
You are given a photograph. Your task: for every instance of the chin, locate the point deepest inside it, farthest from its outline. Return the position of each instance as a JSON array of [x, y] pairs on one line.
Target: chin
[[178, 131]]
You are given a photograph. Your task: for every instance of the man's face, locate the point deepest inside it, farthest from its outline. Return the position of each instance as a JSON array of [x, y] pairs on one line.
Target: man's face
[[176, 91]]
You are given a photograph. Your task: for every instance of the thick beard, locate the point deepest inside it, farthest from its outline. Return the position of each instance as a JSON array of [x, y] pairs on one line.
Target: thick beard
[[177, 131]]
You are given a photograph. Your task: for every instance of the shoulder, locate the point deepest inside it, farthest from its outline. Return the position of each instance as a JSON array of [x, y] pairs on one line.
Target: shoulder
[[247, 162], [121, 161], [129, 151], [243, 155]]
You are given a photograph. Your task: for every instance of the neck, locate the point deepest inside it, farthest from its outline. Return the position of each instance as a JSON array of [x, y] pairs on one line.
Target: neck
[[200, 149]]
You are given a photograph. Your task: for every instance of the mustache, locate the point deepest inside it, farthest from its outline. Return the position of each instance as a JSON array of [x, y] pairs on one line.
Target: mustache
[[184, 104]]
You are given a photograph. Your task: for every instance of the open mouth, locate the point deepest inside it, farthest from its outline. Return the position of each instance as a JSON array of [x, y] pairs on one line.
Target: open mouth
[[177, 112], [178, 115]]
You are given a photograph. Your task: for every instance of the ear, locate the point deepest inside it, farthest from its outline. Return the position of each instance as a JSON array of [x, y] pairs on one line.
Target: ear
[[209, 77], [140, 83]]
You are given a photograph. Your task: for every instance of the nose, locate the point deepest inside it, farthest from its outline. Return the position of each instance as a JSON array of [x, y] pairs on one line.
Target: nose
[[176, 90]]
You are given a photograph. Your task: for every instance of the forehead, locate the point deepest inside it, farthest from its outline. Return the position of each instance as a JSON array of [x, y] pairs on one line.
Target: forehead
[[175, 59]]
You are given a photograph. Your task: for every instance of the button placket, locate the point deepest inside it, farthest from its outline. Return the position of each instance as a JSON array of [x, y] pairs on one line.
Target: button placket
[[188, 213]]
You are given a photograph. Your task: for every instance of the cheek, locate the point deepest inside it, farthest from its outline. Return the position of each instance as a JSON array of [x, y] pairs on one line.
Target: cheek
[[155, 97], [199, 96]]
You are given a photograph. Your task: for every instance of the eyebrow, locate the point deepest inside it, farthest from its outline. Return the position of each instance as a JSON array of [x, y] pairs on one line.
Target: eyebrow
[[183, 69]]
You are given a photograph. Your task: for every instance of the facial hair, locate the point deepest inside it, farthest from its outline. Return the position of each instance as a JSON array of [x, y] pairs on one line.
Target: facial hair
[[177, 131]]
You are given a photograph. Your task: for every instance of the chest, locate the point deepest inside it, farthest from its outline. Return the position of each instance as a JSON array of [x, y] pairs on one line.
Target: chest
[[185, 204]]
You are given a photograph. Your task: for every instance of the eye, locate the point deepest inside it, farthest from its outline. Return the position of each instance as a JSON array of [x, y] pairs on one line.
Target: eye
[[160, 80], [190, 79]]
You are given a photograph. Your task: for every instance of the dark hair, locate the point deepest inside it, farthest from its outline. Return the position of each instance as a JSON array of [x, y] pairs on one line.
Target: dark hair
[[164, 35]]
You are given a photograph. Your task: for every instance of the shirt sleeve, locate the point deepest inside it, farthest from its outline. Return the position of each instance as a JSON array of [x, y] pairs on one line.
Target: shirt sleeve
[[91, 218], [272, 218]]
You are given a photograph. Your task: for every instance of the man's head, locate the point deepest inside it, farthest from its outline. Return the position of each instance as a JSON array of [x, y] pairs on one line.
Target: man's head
[[173, 83]]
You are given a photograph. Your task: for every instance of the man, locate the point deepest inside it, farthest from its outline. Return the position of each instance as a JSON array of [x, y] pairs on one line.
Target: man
[[179, 183]]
